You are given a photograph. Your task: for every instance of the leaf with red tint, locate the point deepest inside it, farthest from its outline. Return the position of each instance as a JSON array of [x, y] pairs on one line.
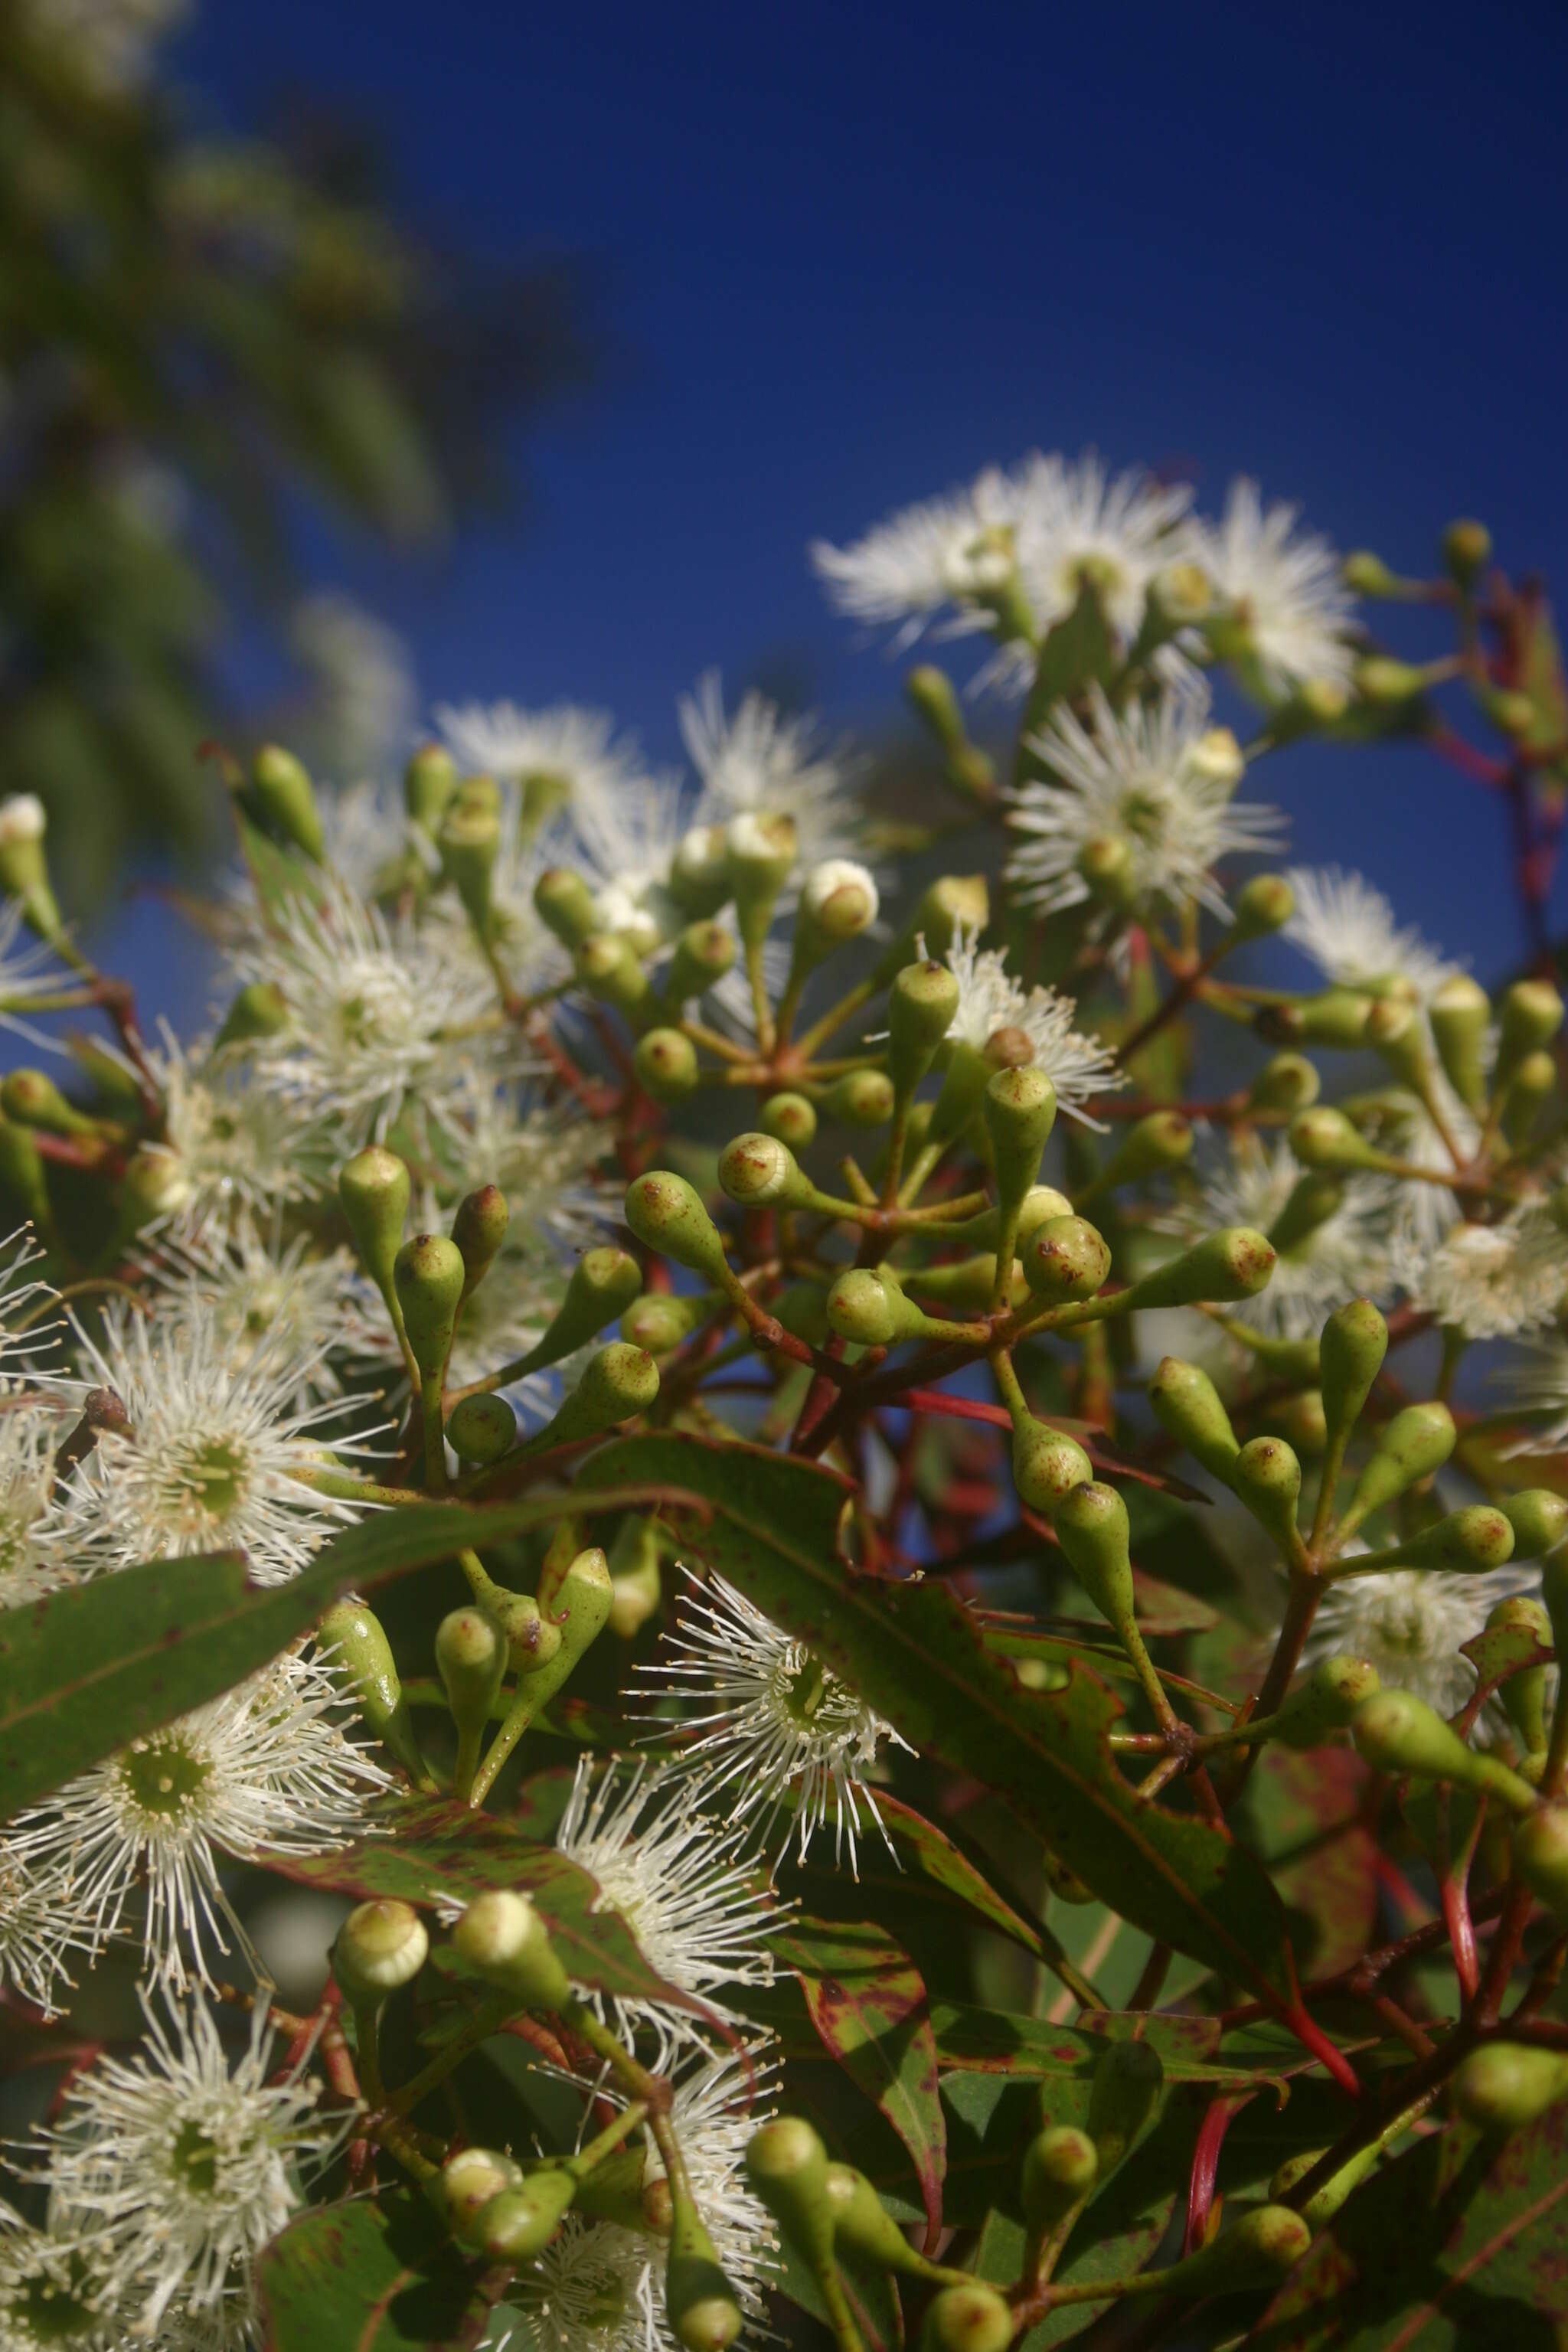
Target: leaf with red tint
[[1324, 1858], [380, 2278]]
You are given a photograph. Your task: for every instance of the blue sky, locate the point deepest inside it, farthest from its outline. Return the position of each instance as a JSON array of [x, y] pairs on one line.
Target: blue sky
[[850, 252]]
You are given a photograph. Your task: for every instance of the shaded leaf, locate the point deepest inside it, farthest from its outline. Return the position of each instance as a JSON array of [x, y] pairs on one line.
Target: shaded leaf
[[380, 2278], [1322, 1856], [937, 1856], [991, 2042]]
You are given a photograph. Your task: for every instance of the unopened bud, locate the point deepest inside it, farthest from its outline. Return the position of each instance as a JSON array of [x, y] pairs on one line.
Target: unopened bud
[[358, 1655], [503, 1936], [791, 1117], [1255, 2252], [1466, 552], [699, 871], [699, 2303], [24, 864], [478, 1228], [429, 1274], [1399, 1733], [1267, 1477], [602, 1286], [920, 1009], [1262, 906], [428, 782], [470, 843], [1539, 1520], [862, 2224], [1325, 1700], [1065, 1259], [1335, 1017], [1093, 1528], [1105, 865], [1408, 1448], [258, 1010], [611, 970], [1528, 1018], [1020, 1110], [861, 1098], [565, 905], [1386, 683], [636, 1589], [1187, 1407], [520, 2222], [1325, 2201], [867, 1306], [1460, 1012], [471, 1659], [1475, 1539], [1046, 1466], [667, 1214], [1351, 1351], [616, 1384], [972, 2318], [282, 800], [839, 900], [481, 1429], [31, 1098], [1287, 1082], [1163, 1139], [757, 1170], [761, 851], [1524, 1694], [470, 2178], [1060, 2168], [1324, 1138], [703, 954], [1234, 1263], [380, 1947], [533, 1640], [786, 2165], [666, 1064], [374, 1189], [1366, 574], [1504, 2085]]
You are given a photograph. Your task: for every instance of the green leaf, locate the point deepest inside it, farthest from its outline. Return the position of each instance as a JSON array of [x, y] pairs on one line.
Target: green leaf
[[918, 1656], [992, 2042], [1306, 1809], [1459, 2243], [867, 2002], [94, 1667], [938, 1858], [382, 2277]]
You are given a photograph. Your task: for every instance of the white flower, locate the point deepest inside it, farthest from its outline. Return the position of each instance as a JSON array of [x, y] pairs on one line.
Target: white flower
[[28, 972], [502, 1320], [576, 749], [36, 1537], [1410, 1624], [174, 2167], [266, 1771], [772, 1722], [306, 1309], [216, 1452], [1283, 588], [835, 874], [548, 1157], [677, 1880], [598, 2287], [1346, 1256], [1537, 1380], [50, 2295], [758, 762], [949, 552], [989, 999], [228, 1139], [41, 1923], [368, 836], [1146, 782], [1077, 528], [1349, 930], [1491, 1281], [624, 845], [25, 1334]]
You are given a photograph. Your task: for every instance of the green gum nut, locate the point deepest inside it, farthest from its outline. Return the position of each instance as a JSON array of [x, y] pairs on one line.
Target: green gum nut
[[1324, 1138], [1539, 1520], [1325, 1700], [602, 1286], [1529, 1017], [470, 2178], [954, 902], [1267, 1477], [930, 694], [470, 843], [611, 970], [699, 872], [1460, 1012], [1092, 1527], [1533, 1084], [667, 1214], [1047, 1465], [618, 1383], [698, 2304], [374, 1189], [964, 1282], [1467, 550], [866, 1305], [786, 2165], [1020, 1110], [703, 954], [427, 1275], [983, 1231], [1323, 2203], [428, 782], [1337, 1017], [31, 1098], [565, 905], [802, 1308], [24, 863], [661, 1319], [1163, 1139], [862, 2224], [1315, 1198], [636, 1589], [1124, 2093], [380, 1947], [920, 1008], [1287, 1082], [1504, 2085], [666, 1064], [1223, 1268], [860, 1098], [1399, 1733], [1351, 1349], [520, 2222], [760, 850], [503, 1936], [1262, 906], [1187, 1407], [1408, 1448], [1255, 2252], [478, 1228], [758, 1171], [1366, 574], [790, 1118], [533, 1640], [970, 2318], [358, 1656], [258, 1010], [1525, 1694], [481, 1429], [1060, 2168], [1474, 1540], [471, 1659], [1386, 683], [1541, 1855], [283, 800]]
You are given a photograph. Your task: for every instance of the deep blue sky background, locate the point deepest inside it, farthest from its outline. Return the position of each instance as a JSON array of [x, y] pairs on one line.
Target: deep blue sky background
[[850, 252]]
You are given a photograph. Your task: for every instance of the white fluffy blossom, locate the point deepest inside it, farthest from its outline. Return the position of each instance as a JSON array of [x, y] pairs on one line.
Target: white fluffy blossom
[[775, 1730], [949, 553], [267, 1770], [1410, 1624], [309, 1308], [1348, 928], [758, 762], [989, 999], [228, 1141], [174, 2167], [549, 1158], [1492, 1281], [1078, 527], [1156, 784], [41, 1926], [29, 975], [1537, 1382], [576, 749], [37, 1541], [1284, 589], [1346, 1256]]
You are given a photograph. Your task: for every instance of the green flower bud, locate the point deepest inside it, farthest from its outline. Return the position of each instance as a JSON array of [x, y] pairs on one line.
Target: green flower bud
[[282, 801], [427, 1275], [1466, 552], [698, 2304], [1064, 1260], [1351, 1351], [533, 1640], [1124, 2094], [520, 2222], [802, 1308], [786, 2165], [22, 1175], [1163, 1139], [1504, 2085], [860, 1098], [699, 872], [610, 969], [1187, 1407], [1407, 1449], [972, 2318], [667, 1214], [920, 1009], [259, 1009], [470, 843], [666, 1064], [637, 1588], [380, 1947], [661, 1319], [757, 1171], [1366, 574], [30, 1098], [1060, 2168], [374, 1189], [839, 900], [1092, 1527], [1335, 1017], [1041, 1202], [1260, 907], [760, 852], [24, 864], [471, 1659], [481, 1429], [615, 1385], [703, 954], [1533, 1084], [1315, 1198], [1539, 1520], [602, 1286], [1287, 1082], [1267, 1477], [1020, 1111], [503, 1937], [1105, 863], [1324, 1138], [862, 2224], [1399, 1733], [1255, 2252], [1234, 1263], [866, 1305], [1474, 1540], [967, 1282], [565, 905], [1460, 1013], [790, 1118], [1512, 712], [1529, 1017], [1323, 2203], [428, 782], [1046, 1466], [1302, 1423], [358, 1655], [952, 902], [478, 1228], [1324, 1700], [468, 2181], [1524, 1694], [1386, 683], [931, 692]]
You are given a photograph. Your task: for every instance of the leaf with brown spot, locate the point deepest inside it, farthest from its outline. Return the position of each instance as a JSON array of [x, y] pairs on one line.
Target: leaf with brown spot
[[372, 2277]]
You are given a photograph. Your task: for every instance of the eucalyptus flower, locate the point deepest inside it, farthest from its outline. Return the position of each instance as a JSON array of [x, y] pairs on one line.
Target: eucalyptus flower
[[1283, 589], [1345, 1253], [1348, 928], [759, 760], [1077, 1065]]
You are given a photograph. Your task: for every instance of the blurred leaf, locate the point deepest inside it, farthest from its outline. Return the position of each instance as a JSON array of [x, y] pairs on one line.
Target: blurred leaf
[[382, 2277]]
